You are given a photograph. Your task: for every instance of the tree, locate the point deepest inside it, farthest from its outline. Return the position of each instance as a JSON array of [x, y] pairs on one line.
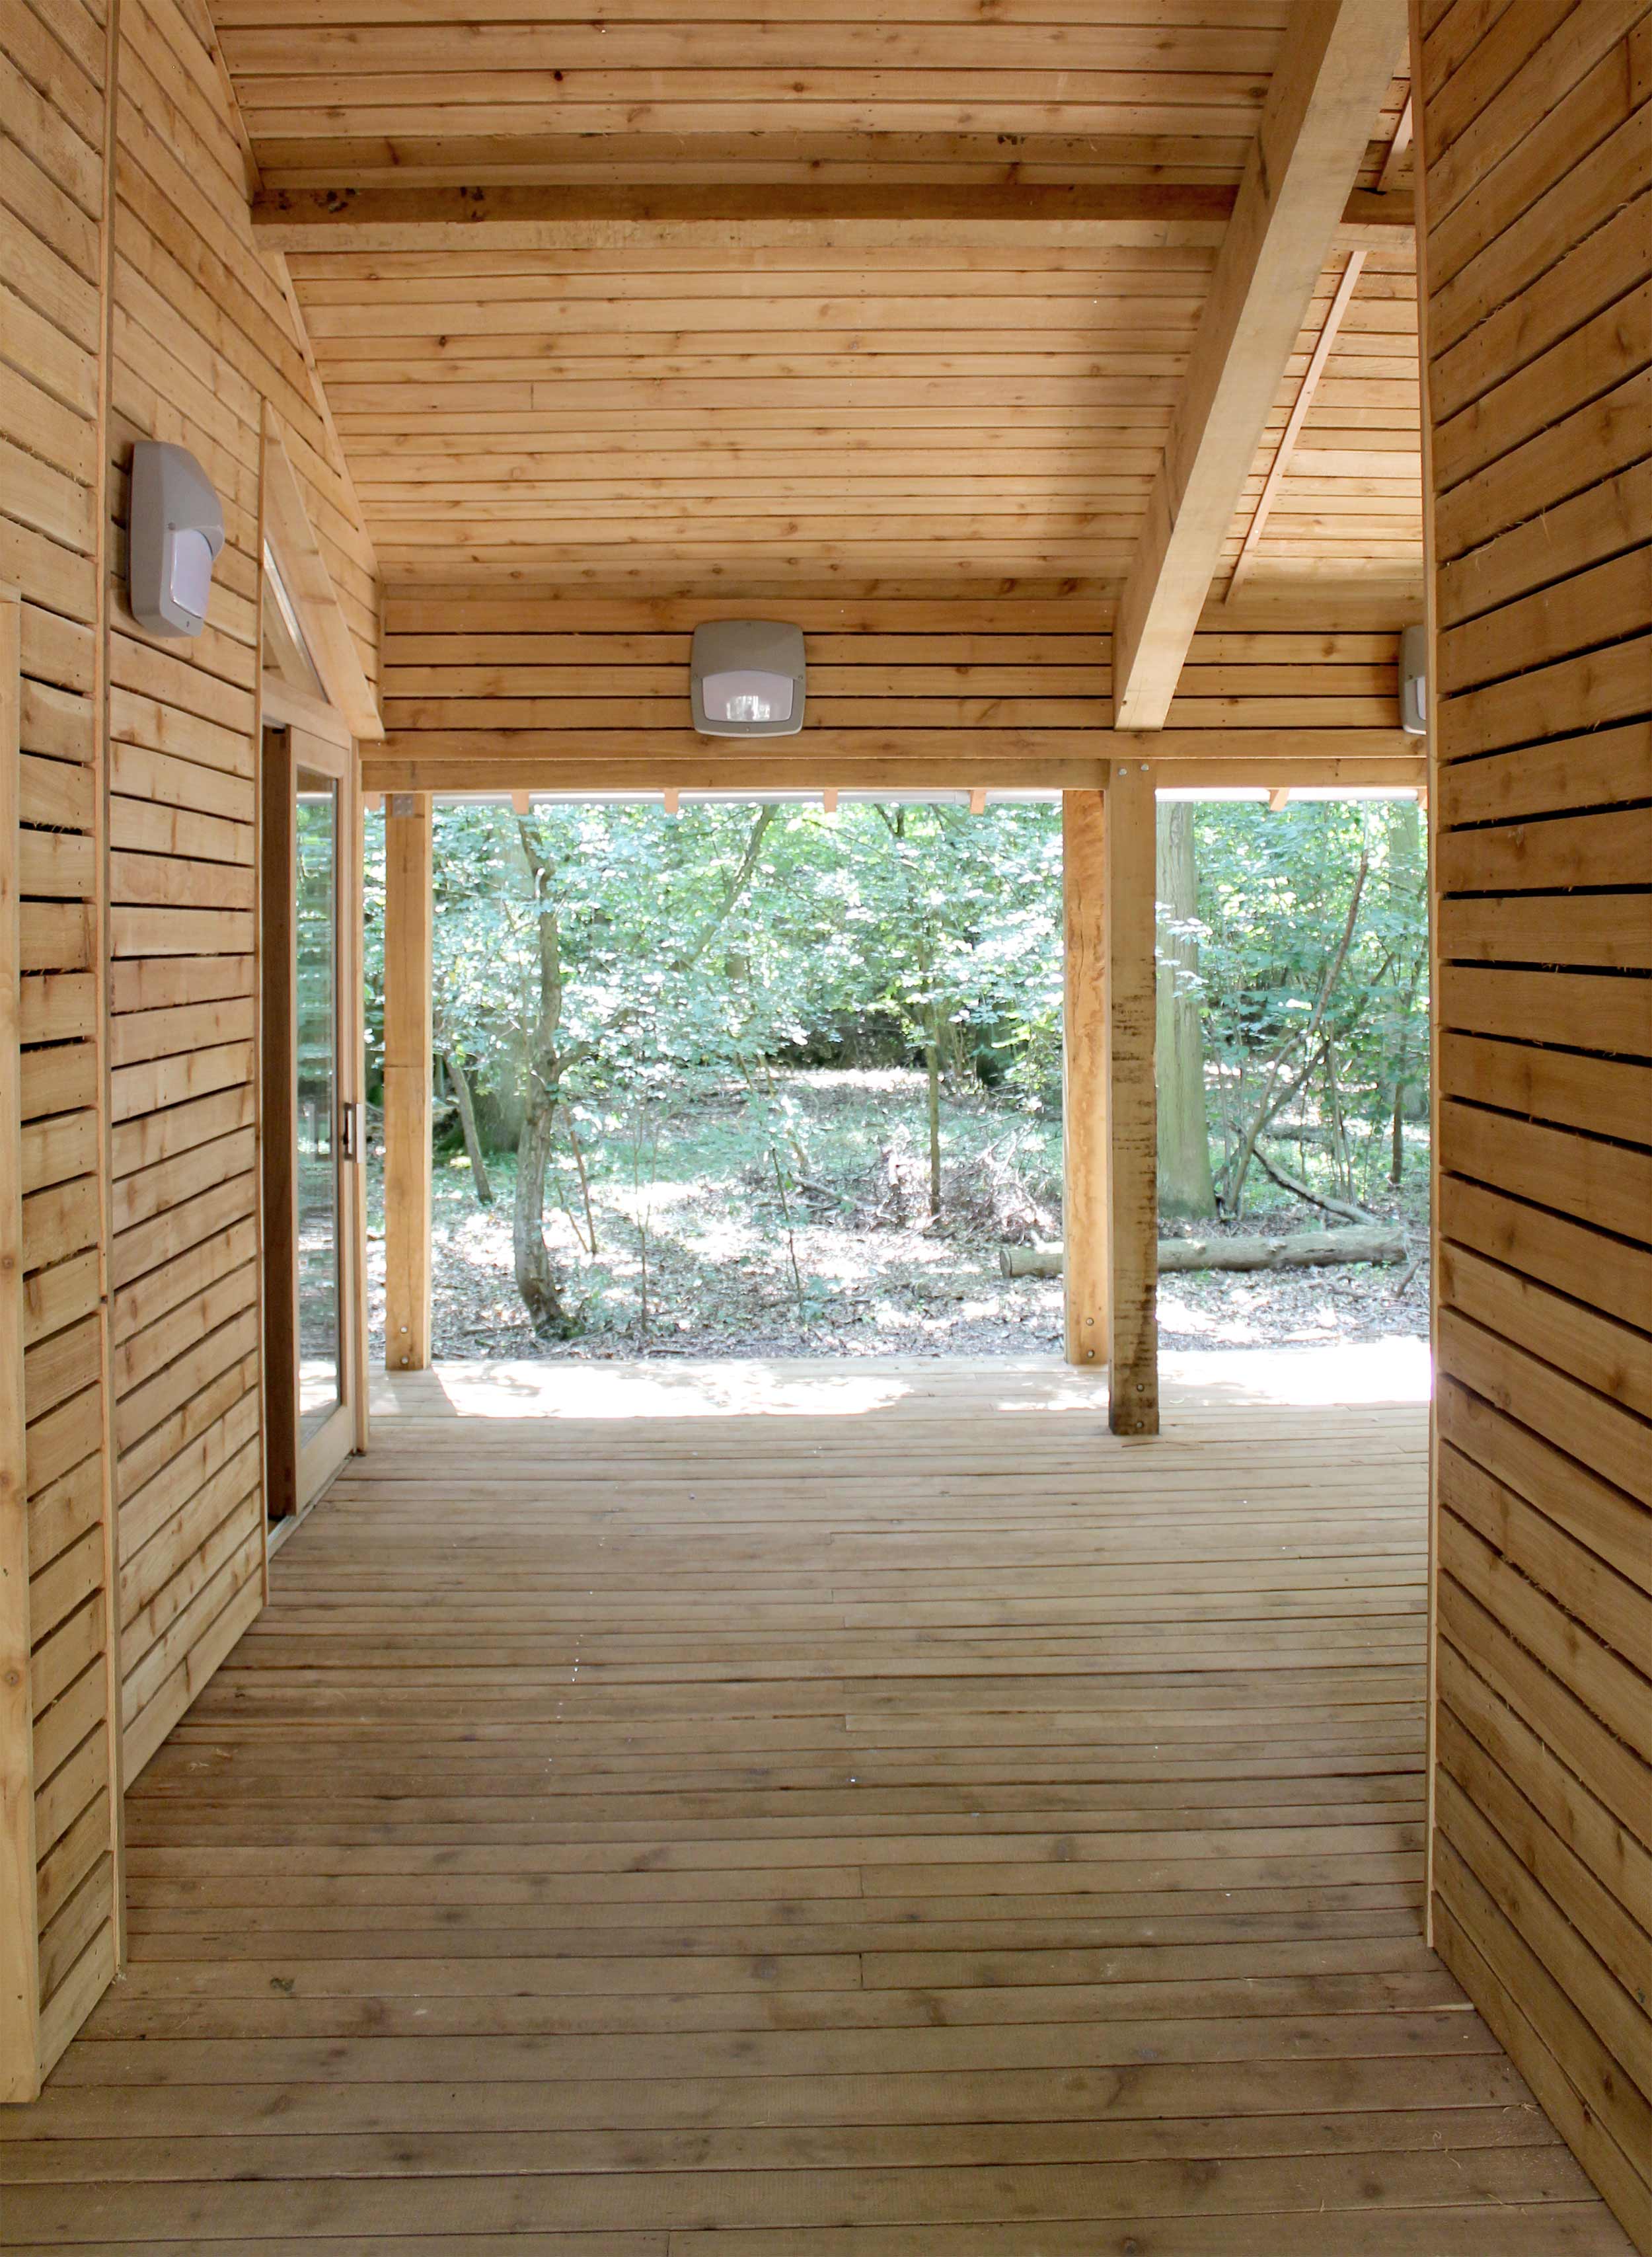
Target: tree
[[459, 1081], [1185, 1185], [546, 1064], [1313, 965], [607, 991], [608, 965], [1408, 882]]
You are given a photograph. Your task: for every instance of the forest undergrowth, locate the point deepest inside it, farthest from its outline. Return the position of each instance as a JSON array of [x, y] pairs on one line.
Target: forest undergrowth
[[703, 1249]]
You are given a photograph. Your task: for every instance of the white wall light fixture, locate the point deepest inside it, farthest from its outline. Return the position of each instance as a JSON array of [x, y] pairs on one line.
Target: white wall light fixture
[[175, 533], [746, 678], [1414, 681]]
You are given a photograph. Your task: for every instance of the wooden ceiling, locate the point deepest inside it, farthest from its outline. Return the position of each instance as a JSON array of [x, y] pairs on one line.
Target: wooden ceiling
[[470, 90], [900, 398], [1347, 502]]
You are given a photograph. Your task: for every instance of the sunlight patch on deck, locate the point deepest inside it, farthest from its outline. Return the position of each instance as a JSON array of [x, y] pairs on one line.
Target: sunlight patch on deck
[[1392, 1371]]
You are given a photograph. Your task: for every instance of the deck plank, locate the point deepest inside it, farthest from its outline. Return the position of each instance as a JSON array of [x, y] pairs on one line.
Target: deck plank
[[902, 1819]]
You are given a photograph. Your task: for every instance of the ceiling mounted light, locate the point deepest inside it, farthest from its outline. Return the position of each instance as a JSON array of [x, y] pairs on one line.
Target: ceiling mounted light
[[746, 678]]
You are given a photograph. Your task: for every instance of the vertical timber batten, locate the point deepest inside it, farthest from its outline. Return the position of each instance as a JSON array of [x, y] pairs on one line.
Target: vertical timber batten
[[53, 542], [1129, 906], [278, 985], [408, 872], [19, 1966], [1085, 1173]]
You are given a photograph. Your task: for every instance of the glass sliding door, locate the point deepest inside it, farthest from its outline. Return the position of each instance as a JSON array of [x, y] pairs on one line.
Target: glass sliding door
[[314, 1195], [318, 1189]]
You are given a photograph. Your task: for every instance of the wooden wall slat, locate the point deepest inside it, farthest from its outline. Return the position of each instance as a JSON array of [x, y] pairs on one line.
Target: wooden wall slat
[[52, 505], [1537, 343], [204, 337], [484, 687], [136, 306]]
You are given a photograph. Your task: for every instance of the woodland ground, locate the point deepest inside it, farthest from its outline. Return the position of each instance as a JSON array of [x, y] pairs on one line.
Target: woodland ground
[[872, 1276]]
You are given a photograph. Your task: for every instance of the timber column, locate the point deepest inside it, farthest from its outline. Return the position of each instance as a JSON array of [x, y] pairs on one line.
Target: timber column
[[1110, 1166], [1085, 1232], [408, 1038]]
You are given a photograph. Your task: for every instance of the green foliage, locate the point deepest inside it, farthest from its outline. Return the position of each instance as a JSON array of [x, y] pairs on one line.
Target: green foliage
[[864, 919], [1314, 938], [698, 953]]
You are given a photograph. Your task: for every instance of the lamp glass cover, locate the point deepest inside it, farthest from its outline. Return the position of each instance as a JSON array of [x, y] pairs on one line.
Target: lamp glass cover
[[190, 586], [746, 693]]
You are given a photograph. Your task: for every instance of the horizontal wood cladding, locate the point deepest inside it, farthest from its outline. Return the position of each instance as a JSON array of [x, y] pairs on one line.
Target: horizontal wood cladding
[[1538, 199], [491, 690], [51, 499], [204, 336]]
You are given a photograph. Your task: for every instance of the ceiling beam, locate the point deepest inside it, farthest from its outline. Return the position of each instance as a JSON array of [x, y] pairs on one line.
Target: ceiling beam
[[779, 216], [1339, 61], [849, 760]]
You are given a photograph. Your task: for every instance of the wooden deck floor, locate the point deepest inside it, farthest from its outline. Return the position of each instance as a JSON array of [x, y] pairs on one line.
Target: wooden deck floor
[[882, 1819]]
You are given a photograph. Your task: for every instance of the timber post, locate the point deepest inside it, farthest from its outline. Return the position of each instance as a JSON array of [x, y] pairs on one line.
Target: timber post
[[408, 876], [1084, 1077]]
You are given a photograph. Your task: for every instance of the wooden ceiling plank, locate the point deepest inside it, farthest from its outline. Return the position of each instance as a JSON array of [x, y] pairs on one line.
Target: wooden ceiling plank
[[1137, 58], [808, 156], [1316, 128], [778, 216], [1155, 16]]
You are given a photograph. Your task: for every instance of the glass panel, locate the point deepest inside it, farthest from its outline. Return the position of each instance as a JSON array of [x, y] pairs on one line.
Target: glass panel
[[320, 1326], [286, 651]]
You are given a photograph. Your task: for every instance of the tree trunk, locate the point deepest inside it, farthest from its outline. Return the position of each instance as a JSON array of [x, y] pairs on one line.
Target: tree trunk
[[1185, 1185], [1396, 1129], [1344, 1210], [584, 1181], [535, 1279], [932, 1060], [1304, 1250], [1407, 854], [461, 1081], [1342, 1173], [1275, 1100]]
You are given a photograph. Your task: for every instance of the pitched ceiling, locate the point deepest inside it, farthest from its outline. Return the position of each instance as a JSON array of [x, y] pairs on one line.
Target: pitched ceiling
[[754, 402]]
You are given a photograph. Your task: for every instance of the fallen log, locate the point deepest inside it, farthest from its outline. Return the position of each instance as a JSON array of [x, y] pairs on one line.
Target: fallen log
[[1344, 1210], [1313, 1249]]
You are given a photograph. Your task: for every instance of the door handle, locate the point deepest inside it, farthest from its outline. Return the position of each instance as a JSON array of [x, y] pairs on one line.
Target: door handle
[[350, 1129]]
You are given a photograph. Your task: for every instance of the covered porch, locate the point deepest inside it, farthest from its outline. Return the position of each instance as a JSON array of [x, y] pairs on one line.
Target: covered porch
[[812, 1808]]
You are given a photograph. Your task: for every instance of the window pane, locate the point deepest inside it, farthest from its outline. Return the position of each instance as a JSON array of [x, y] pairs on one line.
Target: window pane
[[320, 1387]]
